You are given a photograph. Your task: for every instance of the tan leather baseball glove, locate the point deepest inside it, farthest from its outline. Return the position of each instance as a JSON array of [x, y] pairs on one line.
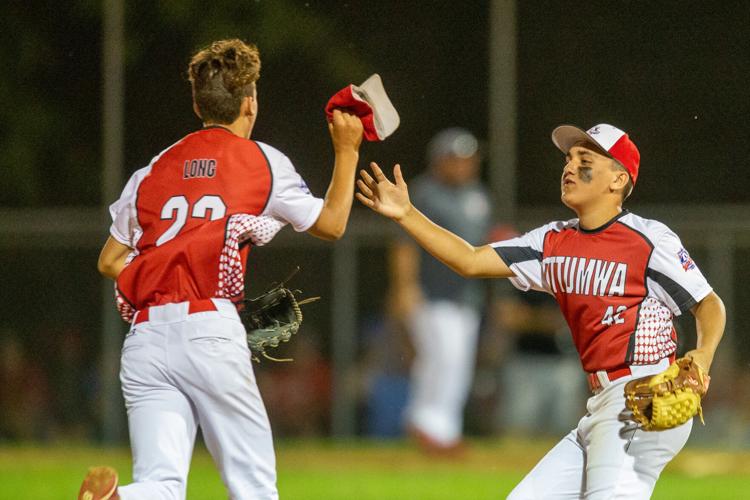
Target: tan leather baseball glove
[[669, 398]]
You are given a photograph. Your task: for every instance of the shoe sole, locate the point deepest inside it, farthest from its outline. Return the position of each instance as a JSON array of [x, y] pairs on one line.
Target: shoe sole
[[100, 484]]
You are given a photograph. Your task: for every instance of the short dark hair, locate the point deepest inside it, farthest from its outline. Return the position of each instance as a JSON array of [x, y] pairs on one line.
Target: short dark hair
[[221, 75]]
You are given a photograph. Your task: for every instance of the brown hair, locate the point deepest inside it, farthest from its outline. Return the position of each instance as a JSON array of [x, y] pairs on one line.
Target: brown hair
[[221, 75]]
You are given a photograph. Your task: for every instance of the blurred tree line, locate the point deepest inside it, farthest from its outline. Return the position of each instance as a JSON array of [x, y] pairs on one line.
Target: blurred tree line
[[671, 73], [51, 133]]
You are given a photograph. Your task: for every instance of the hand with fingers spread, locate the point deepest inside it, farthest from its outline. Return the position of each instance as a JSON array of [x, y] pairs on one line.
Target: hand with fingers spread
[[382, 195]]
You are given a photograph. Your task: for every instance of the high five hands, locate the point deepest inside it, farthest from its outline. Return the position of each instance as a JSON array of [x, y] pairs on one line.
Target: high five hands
[[382, 195]]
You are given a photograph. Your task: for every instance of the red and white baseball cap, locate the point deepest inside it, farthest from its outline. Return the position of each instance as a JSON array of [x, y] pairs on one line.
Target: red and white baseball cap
[[371, 104], [612, 141]]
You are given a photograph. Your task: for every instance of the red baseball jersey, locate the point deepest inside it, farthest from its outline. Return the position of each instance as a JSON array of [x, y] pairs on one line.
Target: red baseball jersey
[[188, 213], [618, 286]]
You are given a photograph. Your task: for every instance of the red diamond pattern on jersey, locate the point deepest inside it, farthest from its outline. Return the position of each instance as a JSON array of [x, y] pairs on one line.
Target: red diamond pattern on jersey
[[231, 274], [653, 336], [599, 281], [182, 221], [608, 282], [240, 228], [127, 312]]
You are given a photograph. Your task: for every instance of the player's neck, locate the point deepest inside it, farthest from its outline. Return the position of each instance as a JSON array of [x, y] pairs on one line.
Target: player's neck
[[595, 217], [239, 127]]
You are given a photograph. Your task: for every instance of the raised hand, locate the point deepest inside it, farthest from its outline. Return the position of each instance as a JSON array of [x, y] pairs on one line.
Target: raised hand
[[346, 131], [382, 195]]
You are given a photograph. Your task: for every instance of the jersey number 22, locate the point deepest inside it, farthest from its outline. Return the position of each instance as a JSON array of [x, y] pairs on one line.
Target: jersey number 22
[[178, 207]]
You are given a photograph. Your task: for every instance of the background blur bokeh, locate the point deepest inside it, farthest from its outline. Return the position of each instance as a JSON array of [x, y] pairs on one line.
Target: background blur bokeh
[[672, 74]]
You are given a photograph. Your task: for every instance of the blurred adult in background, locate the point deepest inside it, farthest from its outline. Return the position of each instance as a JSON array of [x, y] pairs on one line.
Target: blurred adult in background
[[386, 359], [441, 309], [540, 390], [527, 368]]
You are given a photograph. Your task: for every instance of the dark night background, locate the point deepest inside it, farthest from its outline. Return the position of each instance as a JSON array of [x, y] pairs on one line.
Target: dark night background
[[672, 74]]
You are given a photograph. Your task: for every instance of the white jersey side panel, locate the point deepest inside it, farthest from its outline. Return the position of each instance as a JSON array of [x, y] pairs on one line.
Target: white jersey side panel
[[523, 255], [290, 200], [672, 276], [125, 227]]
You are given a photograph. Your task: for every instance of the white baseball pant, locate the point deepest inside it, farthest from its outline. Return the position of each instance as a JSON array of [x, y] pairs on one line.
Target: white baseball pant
[[445, 340], [180, 371], [606, 456]]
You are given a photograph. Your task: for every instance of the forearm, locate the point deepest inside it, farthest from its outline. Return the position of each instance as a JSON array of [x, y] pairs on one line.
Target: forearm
[[442, 244], [112, 258], [113, 269], [392, 200], [710, 320], [337, 205]]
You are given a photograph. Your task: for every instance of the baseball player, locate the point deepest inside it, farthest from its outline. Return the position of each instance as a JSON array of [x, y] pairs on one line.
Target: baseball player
[[185, 224], [619, 280]]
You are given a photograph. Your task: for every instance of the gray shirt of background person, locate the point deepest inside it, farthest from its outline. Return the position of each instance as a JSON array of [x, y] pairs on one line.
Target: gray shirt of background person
[[463, 210]]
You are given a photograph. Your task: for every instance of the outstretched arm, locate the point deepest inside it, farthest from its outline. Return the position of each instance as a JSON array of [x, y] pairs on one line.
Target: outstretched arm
[[346, 135], [392, 200], [710, 318]]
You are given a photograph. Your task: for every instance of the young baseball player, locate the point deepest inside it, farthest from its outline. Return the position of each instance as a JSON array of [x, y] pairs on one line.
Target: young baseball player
[[619, 280], [183, 224]]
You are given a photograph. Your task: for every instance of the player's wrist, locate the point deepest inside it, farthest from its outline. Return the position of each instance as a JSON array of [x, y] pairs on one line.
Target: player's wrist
[[703, 357], [406, 215], [346, 153]]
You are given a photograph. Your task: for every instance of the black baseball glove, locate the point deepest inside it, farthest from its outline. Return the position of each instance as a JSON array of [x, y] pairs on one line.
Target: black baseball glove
[[271, 318]]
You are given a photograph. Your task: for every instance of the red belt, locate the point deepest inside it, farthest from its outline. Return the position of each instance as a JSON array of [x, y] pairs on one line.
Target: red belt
[[612, 375], [595, 385], [195, 306]]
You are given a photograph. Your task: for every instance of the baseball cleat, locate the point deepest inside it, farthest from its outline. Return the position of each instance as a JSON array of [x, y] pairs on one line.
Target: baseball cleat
[[99, 484]]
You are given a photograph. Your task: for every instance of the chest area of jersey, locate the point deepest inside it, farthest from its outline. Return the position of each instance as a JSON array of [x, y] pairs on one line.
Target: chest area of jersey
[[612, 263]]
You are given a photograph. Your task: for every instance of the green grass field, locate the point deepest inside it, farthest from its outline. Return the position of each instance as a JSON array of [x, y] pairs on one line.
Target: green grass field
[[366, 470]]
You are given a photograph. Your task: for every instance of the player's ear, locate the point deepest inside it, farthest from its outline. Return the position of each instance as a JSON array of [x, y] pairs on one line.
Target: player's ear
[[197, 110], [249, 106], [254, 103], [620, 179]]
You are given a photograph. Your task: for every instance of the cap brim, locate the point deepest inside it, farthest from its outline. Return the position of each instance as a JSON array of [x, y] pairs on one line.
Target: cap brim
[[384, 113], [567, 136]]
